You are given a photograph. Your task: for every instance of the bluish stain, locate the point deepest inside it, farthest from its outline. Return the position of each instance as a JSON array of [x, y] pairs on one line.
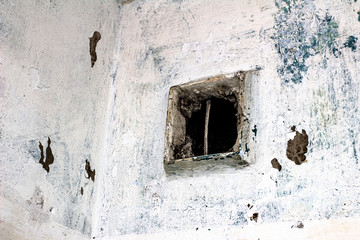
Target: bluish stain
[[157, 58], [358, 16], [351, 43], [240, 219], [355, 153], [137, 183], [296, 39], [352, 135], [246, 148], [270, 211]]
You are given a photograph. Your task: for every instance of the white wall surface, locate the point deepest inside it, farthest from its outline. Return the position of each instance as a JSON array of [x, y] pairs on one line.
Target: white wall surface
[[115, 113], [48, 89]]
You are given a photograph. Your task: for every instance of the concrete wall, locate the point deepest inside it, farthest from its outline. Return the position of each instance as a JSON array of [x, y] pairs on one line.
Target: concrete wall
[[48, 89], [308, 53], [309, 79]]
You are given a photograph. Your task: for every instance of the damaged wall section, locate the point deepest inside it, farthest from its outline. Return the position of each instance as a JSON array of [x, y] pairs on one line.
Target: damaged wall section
[[208, 117]]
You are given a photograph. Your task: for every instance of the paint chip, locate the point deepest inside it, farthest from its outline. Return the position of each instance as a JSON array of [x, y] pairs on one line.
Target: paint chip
[[93, 42], [91, 173], [49, 156], [297, 147], [275, 164]]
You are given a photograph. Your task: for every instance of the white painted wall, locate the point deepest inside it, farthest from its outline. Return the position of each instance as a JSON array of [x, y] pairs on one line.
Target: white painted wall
[[309, 78], [48, 89]]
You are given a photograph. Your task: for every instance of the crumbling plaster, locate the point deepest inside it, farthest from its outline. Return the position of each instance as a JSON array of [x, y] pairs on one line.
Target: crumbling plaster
[[114, 114]]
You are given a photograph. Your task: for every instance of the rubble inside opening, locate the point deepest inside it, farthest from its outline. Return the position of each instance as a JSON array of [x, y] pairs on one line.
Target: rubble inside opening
[[204, 117]]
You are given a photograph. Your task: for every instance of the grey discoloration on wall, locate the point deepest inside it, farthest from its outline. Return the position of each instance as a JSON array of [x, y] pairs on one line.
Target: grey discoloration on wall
[[93, 42], [351, 43], [300, 34], [37, 199]]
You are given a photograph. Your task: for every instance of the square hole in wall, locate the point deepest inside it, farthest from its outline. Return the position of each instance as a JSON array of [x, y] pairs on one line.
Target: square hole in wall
[[206, 119]]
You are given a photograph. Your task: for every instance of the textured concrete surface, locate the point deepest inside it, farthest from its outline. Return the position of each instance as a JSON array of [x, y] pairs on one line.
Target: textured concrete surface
[[114, 115]]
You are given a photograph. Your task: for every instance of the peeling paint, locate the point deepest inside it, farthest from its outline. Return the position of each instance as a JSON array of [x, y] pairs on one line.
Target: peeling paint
[[91, 173], [49, 156], [93, 42], [275, 164], [297, 147]]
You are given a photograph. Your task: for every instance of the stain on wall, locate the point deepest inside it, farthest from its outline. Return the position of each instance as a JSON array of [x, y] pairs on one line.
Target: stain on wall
[[93, 42], [351, 43], [49, 156], [297, 147], [300, 34], [37, 199]]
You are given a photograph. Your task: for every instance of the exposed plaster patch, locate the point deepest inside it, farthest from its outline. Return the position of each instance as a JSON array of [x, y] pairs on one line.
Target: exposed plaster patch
[[93, 41], [91, 173], [297, 147], [275, 164], [49, 156]]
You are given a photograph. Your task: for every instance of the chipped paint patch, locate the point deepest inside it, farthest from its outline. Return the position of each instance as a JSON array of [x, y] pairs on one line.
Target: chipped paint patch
[[93, 42], [297, 147], [49, 156], [91, 173]]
